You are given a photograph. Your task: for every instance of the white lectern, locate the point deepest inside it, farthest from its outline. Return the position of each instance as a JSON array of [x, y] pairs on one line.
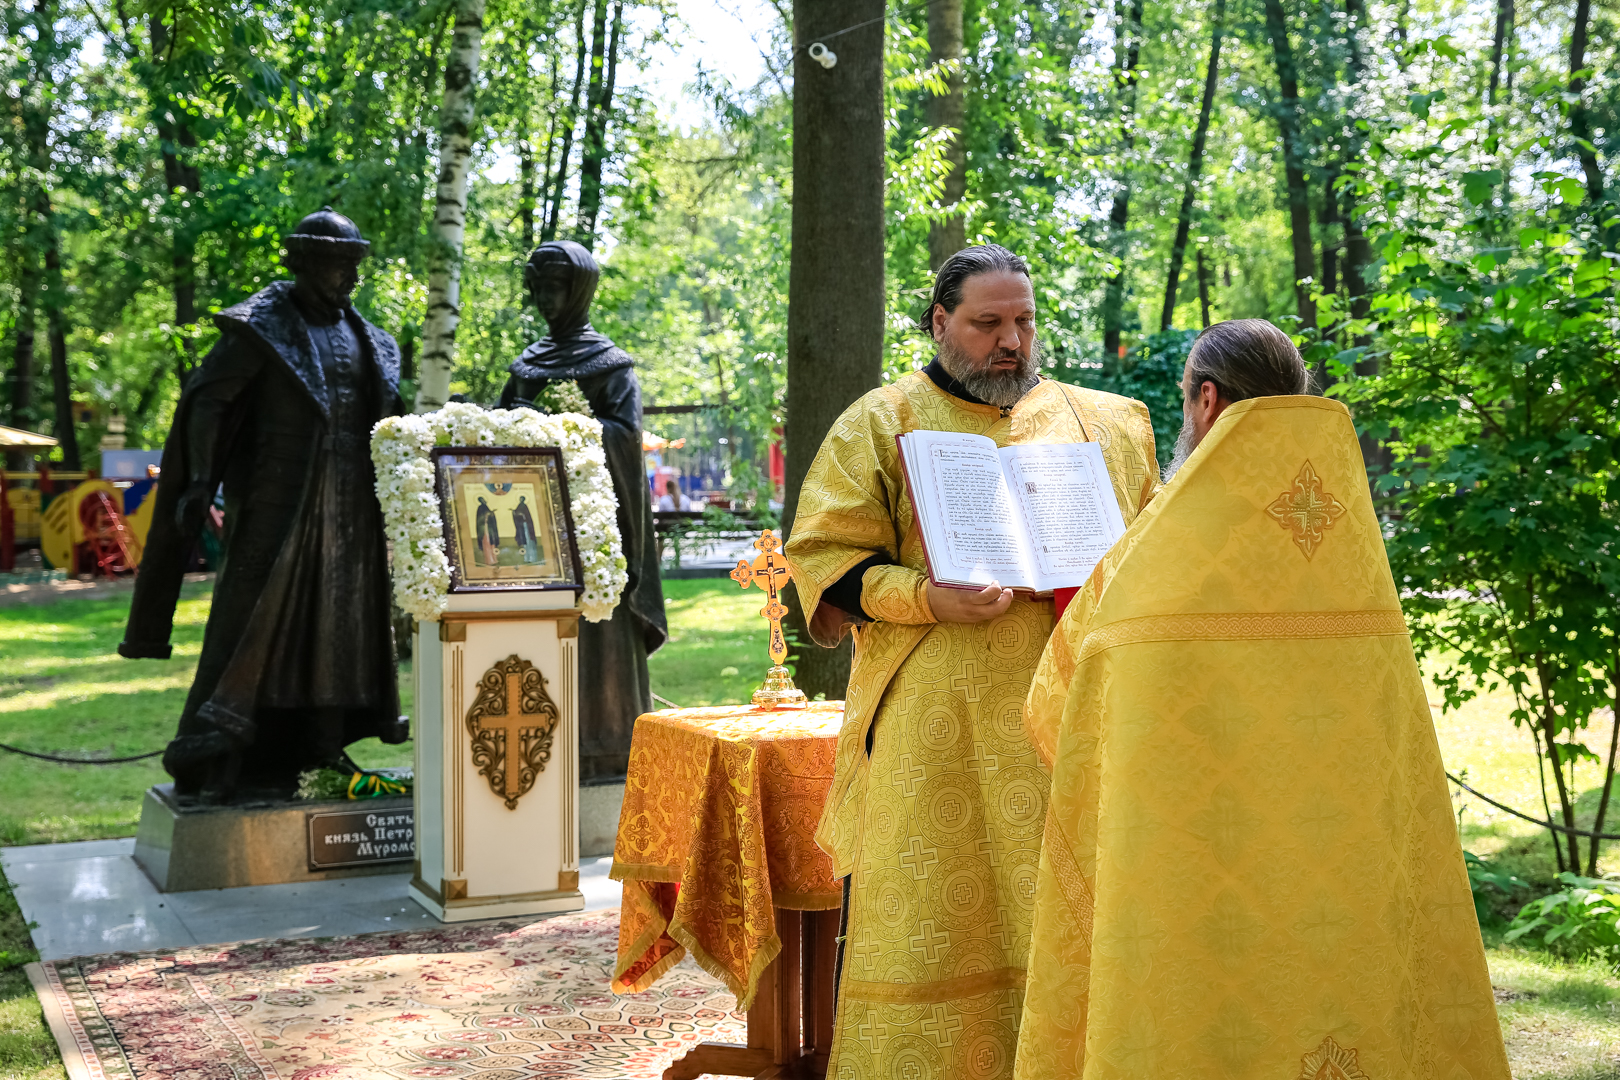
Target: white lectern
[[497, 756]]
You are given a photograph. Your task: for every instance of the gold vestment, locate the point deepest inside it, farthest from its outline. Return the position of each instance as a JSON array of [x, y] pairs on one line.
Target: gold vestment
[[1250, 867], [941, 828]]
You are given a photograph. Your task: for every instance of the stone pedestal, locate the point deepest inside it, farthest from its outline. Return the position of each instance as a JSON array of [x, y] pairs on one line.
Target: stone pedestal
[[491, 844], [182, 848], [599, 806]]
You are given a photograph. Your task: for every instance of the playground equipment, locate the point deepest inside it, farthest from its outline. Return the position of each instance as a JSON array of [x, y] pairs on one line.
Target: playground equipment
[[92, 526], [108, 541]]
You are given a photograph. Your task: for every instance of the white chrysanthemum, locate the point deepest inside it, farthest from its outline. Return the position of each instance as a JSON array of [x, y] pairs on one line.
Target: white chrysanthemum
[[400, 449]]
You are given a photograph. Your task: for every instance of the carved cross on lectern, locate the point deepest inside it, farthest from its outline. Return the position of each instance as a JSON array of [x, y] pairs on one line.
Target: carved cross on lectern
[[769, 571], [511, 723]]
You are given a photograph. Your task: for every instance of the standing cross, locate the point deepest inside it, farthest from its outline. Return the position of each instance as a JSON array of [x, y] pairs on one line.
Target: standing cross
[[511, 724], [769, 571]]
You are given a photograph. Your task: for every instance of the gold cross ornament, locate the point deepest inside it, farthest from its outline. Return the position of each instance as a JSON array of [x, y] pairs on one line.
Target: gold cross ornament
[[770, 572], [512, 722]]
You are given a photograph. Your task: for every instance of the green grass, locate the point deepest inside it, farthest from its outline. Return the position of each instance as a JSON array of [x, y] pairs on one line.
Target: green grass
[[1561, 1021], [716, 649], [27, 1051], [65, 690]]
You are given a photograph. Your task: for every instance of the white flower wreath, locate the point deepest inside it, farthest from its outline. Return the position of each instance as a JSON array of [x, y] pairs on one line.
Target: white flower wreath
[[400, 449]]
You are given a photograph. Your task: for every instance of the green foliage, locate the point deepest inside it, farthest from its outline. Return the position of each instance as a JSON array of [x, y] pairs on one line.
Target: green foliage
[[1580, 920], [1489, 366], [325, 784], [1490, 886], [1150, 373]]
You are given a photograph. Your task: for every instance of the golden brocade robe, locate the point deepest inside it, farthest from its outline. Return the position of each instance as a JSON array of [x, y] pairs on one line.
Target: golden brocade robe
[[1250, 867], [940, 829]]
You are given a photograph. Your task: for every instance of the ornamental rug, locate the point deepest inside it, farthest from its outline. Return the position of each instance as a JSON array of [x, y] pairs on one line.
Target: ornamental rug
[[486, 1001]]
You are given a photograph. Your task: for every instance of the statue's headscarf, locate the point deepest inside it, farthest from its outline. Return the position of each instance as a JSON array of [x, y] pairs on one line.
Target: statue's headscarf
[[574, 348]]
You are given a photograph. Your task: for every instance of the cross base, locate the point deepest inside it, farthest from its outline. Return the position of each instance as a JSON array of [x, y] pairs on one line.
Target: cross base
[[779, 691]]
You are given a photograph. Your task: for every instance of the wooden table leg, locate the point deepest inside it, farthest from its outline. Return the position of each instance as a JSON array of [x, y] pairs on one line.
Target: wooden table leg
[[790, 1022], [820, 957]]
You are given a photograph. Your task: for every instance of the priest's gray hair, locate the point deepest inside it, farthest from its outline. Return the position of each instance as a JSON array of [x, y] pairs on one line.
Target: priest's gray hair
[[969, 262], [1246, 358]]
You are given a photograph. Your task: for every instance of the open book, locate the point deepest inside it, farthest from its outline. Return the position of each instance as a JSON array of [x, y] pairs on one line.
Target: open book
[[1037, 516]]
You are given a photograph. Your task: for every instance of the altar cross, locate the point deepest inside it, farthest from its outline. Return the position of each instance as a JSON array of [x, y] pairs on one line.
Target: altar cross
[[768, 571], [510, 724]]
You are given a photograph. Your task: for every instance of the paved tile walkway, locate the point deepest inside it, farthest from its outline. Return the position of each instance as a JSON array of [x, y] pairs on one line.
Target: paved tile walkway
[[91, 897]]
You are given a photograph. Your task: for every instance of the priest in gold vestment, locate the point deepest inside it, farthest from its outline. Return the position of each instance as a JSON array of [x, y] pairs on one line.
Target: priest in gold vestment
[[1250, 867], [938, 799]]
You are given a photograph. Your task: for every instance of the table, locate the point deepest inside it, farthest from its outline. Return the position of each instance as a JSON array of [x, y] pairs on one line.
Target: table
[[717, 854]]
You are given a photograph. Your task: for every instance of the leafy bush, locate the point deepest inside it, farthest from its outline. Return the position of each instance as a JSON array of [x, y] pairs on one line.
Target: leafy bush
[[1487, 883], [1151, 373], [1580, 920]]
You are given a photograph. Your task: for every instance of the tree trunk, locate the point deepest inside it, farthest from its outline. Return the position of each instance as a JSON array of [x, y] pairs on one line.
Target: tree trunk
[[178, 144], [1203, 288], [1195, 167], [1127, 49], [1357, 251], [22, 350], [1499, 42], [56, 332], [835, 280], [1358, 255], [1330, 243], [1541, 773], [1579, 124], [560, 183], [544, 206], [1549, 732], [1608, 773], [596, 125], [450, 214], [525, 150], [948, 110], [1299, 203]]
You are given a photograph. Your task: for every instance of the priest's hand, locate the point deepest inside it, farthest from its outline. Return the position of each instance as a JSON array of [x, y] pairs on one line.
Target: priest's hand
[[962, 606]]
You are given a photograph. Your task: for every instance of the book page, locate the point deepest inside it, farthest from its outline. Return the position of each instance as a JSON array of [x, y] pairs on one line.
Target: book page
[[1067, 506], [969, 525]]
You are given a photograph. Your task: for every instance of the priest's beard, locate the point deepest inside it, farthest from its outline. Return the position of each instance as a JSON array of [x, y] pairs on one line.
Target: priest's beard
[[1000, 388], [1186, 443]]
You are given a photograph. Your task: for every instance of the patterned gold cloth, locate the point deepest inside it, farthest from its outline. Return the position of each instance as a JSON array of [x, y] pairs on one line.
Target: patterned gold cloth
[[1250, 867], [717, 829], [941, 828]]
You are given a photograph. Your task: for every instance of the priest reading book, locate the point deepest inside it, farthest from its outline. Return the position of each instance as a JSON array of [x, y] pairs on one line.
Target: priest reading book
[[1035, 516]]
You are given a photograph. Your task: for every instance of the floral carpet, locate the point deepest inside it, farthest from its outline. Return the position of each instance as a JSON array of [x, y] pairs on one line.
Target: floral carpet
[[490, 1001]]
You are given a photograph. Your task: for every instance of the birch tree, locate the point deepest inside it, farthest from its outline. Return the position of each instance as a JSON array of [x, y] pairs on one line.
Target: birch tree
[[450, 215]]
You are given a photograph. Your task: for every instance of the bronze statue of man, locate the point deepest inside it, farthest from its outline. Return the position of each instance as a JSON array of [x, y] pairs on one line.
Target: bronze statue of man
[[298, 656], [561, 277]]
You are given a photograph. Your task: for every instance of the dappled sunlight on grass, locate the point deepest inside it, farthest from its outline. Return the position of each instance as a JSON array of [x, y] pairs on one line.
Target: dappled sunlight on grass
[[1561, 1021], [1500, 760], [64, 690], [716, 649]]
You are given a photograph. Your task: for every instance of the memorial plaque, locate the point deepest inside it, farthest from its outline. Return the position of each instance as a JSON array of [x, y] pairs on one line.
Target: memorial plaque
[[345, 838]]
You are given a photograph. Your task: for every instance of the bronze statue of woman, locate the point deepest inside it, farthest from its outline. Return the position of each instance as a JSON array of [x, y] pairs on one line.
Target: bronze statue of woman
[[561, 277]]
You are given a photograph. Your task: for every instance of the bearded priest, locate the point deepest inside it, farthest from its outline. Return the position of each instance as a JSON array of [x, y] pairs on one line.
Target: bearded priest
[[1250, 867], [934, 818]]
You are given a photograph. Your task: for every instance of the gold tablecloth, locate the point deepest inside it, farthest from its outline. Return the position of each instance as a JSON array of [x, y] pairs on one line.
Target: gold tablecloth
[[718, 828]]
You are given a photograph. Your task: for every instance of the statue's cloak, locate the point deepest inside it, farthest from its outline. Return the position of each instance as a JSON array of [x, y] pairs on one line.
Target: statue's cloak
[[257, 417], [1250, 865], [612, 655]]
